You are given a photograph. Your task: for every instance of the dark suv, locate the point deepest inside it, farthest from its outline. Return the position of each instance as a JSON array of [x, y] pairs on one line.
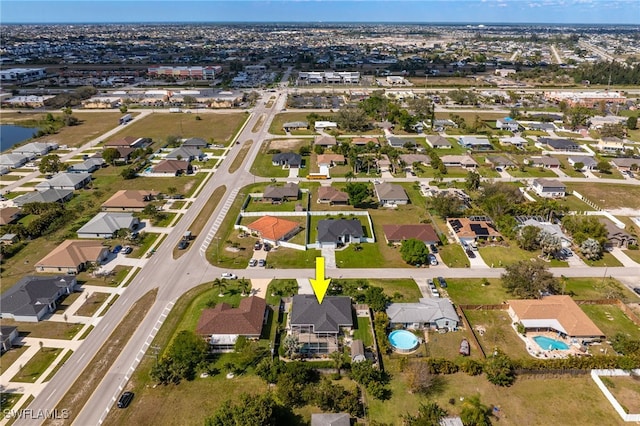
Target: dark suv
[[442, 282], [125, 399]]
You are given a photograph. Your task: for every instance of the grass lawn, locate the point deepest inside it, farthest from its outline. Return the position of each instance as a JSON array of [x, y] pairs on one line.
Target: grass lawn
[[9, 357], [609, 195], [470, 291], [266, 206], [37, 365], [45, 329], [535, 172], [596, 288], [369, 256], [242, 153], [498, 256], [280, 288], [291, 258], [498, 334], [121, 271], [607, 259], [262, 165], [568, 168], [147, 241], [611, 320], [633, 254], [400, 290], [453, 256], [363, 332], [92, 304], [574, 204], [9, 400], [66, 302], [626, 389], [447, 345], [59, 365], [168, 217]]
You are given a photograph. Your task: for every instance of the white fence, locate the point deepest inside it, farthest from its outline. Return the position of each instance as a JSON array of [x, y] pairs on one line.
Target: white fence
[[595, 375]]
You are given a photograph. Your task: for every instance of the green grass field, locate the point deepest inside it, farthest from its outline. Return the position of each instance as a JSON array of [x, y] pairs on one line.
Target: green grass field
[[34, 368], [611, 320], [611, 196], [453, 256], [363, 331]]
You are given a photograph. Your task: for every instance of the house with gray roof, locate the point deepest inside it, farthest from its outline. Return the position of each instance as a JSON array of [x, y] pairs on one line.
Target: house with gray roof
[[434, 313], [69, 181], [295, 125], [626, 163], [616, 236], [187, 153], [13, 161], [335, 232], [398, 142], [437, 141], [589, 163], [548, 227], [35, 149], [561, 144], [545, 127], [33, 297], [391, 194], [549, 188], [8, 334], [330, 419], [46, 196], [318, 326], [277, 194], [89, 165], [440, 124], [507, 123], [105, 225], [476, 143], [544, 162], [499, 161], [287, 160], [196, 143]]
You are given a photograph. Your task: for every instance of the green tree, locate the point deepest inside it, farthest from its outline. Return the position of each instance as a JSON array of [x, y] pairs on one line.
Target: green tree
[[528, 237], [578, 166], [304, 150], [128, 173], [358, 193], [352, 119], [429, 414], [446, 205], [499, 369], [256, 410], [612, 130], [376, 299], [604, 166], [632, 122], [50, 164], [472, 181], [414, 252], [591, 249], [529, 280], [220, 284], [189, 100], [474, 413], [109, 155], [124, 109]]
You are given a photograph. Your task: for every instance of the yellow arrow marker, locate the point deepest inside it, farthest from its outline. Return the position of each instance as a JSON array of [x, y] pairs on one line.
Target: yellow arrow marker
[[320, 285]]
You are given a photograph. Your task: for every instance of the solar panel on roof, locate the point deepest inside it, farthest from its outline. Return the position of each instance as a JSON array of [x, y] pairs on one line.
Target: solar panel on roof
[[479, 229]]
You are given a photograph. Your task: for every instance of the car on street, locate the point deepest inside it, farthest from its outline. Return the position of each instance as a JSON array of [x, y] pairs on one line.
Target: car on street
[[442, 282], [253, 263], [117, 249], [229, 275], [433, 261], [262, 262], [183, 244], [125, 399], [637, 290]]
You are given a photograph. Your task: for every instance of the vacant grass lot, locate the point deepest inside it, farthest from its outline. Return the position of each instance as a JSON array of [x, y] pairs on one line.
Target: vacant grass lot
[[532, 172], [607, 259], [498, 332], [610, 196], [471, 291], [92, 304], [453, 256], [37, 365], [633, 254], [91, 125], [447, 345], [280, 119], [9, 357], [281, 288], [498, 256], [611, 320], [45, 329], [290, 258], [626, 389], [573, 203]]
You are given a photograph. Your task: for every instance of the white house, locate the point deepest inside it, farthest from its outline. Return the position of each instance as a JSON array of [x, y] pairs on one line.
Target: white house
[[549, 188], [105, 225], [427, 313], [322, 125], [507, 123], [13, 161]]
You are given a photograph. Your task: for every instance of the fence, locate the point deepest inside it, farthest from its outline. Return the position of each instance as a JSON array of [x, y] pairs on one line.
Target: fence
[[595, 375], [466, 323]]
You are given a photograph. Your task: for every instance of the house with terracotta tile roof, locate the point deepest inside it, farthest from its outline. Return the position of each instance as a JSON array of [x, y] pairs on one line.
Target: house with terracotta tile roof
[[222, 325], [559, 314], [396, 234], [273, 229], [129, 142], [73, 256], [128, 200], [9, 215], [473, 229]]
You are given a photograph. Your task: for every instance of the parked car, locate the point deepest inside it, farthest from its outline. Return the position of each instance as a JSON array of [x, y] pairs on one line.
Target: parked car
[[430, 283], [127, 249], [257, 245], [442, 282], [637, 290], [253, 263], [470, 253], [262, 262], [229, 276], [433, 261], [433, 248], [116, 249], [266, 247], [183, 244], [125, 399]]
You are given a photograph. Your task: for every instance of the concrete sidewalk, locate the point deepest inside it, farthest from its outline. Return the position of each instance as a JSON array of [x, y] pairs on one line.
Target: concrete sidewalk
[[622, 257]]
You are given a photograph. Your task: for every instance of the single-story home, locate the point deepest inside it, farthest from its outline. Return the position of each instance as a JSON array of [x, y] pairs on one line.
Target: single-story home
[[549, 188], [196, 143], [295, 125], [35, 149], [545, 127], [13, 161], [549, 228], [507, 123], [47, 196], [172, 167], [330, 160], [187, 153], [321, 125], [437, 141], [391, 194], [273, 229], [287, 160], [428, 313], [8, 335], [73, 256], [561, 144], [396, 234], [70, 181], [363, 141], [222, 325], [612, 144], [559, 314], [128, 200], [9, 215], [473, 229], [517, 141], [89, 165], [279, 193], [589, 163], [626, 164], [334, 232], [543, 162], [106, 224], [440, 124], [464, 161], [476, 143], [411, 159], [326, 141], [318, 326], [129, 142], [617, 237], [398, 142], [31, 298], [333, 196], [499, 161]]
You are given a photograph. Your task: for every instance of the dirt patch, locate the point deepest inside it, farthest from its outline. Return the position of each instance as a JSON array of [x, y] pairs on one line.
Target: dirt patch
[[286, 143]]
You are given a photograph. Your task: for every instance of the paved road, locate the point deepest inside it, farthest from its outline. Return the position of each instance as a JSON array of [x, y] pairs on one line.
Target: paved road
[[174, 277]]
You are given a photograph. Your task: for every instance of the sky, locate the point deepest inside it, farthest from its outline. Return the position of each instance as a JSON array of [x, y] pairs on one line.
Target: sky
[[420, 11]]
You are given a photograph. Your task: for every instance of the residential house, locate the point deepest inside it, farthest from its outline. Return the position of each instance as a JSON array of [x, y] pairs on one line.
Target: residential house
[[517, 141], [324, 125], [561, 144], [476, 143], [612, 145], [363, 141], [473, 229], [626, 164], [8, 335], [277, 194], [187, 153], [295, 125], [616, 236], [558, 314], [411, 159], [8, 239], [441, 125], [545, 162], [89, 165], [325, 141], [549, 188], [507, 123], [273, 229], [31, 298], [541, 126], [464, 161], [548, 227], [598, 122], [439, 142], [13, 161], [287, 160], [396, 234], [222, 325], [330, 160], [337, 232], [106, 224], [398, 142], [129, 142], [69, 181], [172, 167], [72, 257], [196, 143], [434, 191], [47, 196], [35, 149], [128, 200], [332, 196], [330, 419], [9, 215], [318, 326], [499, 161], [589, 163], [428, 313], [390, 194]]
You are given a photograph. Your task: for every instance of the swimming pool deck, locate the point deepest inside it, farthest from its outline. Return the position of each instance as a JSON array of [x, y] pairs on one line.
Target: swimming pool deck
[[537, 352]]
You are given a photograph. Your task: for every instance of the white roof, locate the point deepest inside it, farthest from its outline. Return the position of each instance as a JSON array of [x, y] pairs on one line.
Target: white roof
[[107, 223], [427, 310]]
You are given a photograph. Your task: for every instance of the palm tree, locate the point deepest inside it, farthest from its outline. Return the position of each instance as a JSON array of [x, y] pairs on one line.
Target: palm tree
[[245, 284], [349, 176], [221, 284], [338, 360]]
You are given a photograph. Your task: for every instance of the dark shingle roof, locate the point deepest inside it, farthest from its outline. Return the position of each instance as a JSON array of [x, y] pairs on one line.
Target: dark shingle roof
[[333, 313], [28, 295], [329, 230], [291, 158]]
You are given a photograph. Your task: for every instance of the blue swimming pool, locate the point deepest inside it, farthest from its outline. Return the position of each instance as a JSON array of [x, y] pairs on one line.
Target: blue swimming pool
[[548, 344], [403, 340], [148, 170]]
